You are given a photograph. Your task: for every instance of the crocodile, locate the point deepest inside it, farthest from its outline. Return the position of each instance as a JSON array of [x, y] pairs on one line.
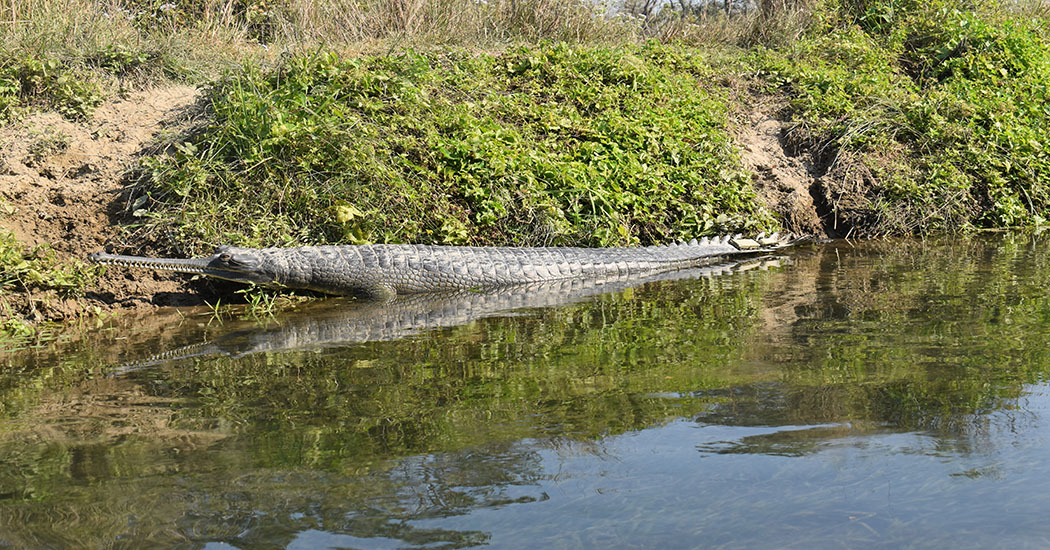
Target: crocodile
[[382, 271]]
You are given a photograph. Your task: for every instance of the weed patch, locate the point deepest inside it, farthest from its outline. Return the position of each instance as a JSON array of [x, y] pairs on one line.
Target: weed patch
[[37, 268], [546, 145], [29, 277], [29, 81], [938, 115]]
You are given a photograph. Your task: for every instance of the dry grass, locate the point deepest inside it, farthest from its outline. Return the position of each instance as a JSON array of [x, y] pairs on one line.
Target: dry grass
[[206, 30], [449, 21], [209, 35], [770, 23]]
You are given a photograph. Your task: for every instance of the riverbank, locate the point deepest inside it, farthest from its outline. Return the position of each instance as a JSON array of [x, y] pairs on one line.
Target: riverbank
[[170, 130]]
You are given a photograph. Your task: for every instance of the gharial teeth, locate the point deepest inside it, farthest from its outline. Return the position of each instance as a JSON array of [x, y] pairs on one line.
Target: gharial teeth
[[182, 269]]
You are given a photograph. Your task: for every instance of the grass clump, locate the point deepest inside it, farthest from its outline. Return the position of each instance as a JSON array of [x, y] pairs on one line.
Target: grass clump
[[929, 117], [544, 145]]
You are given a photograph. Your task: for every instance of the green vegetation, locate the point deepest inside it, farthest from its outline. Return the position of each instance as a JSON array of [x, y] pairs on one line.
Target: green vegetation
[[930, 116], [36, 268], [30, 276], [47, 83], [921, 117], [547, 145]]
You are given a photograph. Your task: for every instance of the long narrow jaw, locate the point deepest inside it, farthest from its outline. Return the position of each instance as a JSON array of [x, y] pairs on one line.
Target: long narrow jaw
[[191, 265], [227, 263]]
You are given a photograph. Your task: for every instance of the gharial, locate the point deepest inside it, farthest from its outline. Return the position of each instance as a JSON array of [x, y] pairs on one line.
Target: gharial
[[385, 270]]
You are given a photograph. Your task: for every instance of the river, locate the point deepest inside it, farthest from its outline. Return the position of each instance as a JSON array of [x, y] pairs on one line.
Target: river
[[875, 394]]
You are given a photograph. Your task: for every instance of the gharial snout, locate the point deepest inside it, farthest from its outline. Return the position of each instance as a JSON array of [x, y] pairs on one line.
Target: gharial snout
[[224, 264]]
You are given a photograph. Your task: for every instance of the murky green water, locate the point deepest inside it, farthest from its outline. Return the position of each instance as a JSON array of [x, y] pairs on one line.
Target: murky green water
[[888, 394]]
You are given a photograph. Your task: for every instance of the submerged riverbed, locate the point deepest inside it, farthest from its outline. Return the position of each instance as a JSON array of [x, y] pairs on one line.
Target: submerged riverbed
[[881, 394]]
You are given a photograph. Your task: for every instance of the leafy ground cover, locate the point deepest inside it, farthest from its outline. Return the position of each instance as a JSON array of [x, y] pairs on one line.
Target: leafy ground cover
[[929, 117], [46, 82], [32, 279], [544, 145]]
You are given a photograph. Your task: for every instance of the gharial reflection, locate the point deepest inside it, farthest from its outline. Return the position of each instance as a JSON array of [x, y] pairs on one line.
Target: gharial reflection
[[373, 422]]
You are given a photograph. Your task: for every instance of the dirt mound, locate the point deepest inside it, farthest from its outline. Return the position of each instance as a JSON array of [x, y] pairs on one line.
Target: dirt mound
[[61, 185], [785, 180]]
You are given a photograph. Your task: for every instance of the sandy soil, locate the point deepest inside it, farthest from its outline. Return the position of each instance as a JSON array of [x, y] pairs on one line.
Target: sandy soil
[[62, 185], [786, 179]]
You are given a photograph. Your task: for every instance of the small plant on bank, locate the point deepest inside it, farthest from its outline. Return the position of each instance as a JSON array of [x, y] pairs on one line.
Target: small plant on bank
[[38, 268], [45, 145], [28, 274], [257, 303], [30, 80]]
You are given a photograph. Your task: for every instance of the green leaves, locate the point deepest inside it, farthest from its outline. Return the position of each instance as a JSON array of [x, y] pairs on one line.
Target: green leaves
[[553, 144], [29, 80], [24, 269], [942, 109]]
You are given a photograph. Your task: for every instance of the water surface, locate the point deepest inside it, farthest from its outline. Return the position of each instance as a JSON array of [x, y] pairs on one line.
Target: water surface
[[884, 394]]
